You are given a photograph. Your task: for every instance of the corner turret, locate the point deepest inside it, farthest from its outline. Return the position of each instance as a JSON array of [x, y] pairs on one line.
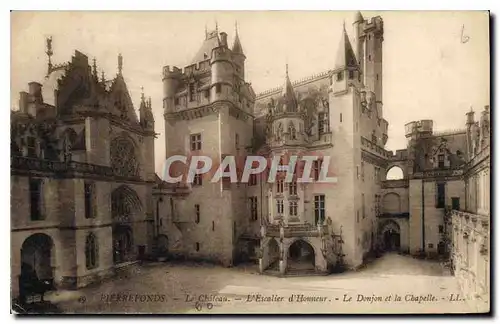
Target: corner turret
[[171, 79], [146, 113], [222, 68]]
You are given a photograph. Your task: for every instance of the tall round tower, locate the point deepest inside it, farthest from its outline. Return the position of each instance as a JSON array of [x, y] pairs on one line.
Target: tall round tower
[[221, 65]]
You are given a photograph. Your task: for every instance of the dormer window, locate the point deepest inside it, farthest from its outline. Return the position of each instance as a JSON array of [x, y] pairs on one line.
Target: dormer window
[[205, 56], [340, 76]]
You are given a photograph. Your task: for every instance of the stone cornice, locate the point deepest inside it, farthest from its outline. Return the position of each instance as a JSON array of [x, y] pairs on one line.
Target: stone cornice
[[373, 159], [206, 110]]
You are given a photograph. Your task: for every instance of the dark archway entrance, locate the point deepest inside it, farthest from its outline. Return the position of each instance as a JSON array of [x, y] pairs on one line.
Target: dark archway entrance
[[390, 236], [36, 257], [301, 256], [37, 265], [392, 240], [125, 206], [122, 243]]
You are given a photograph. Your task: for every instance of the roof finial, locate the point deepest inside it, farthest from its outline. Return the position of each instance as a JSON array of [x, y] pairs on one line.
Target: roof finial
[[120, 63], [149, 102], [216, 27], [344, 25], [142, 94], [103, 79], [206, 31], [49, 53], [94, 67], [286, 67], [236, 26]]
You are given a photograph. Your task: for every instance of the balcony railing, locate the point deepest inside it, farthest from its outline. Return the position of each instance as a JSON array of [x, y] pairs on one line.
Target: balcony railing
[[438, 173], [296, 230], [63, 168]]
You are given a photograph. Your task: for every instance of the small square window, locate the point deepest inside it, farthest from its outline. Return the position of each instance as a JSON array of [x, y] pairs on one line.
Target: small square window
[[340, 76]]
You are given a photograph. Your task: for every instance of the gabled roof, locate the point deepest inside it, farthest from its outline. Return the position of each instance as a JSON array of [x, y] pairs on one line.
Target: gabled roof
[[211, 41], [345, 54]]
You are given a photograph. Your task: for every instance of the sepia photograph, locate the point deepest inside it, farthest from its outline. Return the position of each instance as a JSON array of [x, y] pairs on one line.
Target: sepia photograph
[[250, 162]]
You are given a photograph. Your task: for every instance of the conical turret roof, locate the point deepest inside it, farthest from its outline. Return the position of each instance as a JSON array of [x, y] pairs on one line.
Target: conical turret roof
[[345, 54]]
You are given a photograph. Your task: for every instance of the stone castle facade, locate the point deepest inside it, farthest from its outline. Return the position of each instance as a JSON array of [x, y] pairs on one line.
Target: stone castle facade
[[86, 200], [82, 175]]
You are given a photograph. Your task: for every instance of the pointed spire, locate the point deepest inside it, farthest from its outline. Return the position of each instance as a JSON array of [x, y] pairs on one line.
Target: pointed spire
[[103, 79], [237, 48], [345, 53], [120, 63], [149, 103], [216, 27], [288, 99], [49, 53], [142, 94]]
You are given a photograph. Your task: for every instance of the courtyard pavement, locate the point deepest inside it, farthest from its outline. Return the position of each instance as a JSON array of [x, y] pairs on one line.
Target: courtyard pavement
[[390, 284]]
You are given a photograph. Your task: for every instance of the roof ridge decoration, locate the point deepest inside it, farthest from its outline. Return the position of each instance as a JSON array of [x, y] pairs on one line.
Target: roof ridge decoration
[[297, 82]]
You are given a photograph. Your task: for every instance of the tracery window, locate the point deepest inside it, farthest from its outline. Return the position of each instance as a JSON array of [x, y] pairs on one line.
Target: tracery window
[[124, 204], [123, 159]]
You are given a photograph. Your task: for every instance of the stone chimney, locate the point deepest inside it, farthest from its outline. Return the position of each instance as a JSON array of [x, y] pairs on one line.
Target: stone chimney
[[223, 39]]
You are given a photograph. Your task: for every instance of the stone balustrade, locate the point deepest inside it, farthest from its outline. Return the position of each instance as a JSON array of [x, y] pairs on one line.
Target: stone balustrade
[[470, 247]]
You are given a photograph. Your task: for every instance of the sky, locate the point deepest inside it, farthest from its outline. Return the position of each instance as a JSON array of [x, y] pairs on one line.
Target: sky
[[435, 64]]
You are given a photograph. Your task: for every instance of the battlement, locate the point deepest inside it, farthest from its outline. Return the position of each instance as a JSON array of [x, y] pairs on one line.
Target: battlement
[[197, 67], [295, 83], [399, 155], [449, 132], [171, 72], [417, 127], [221, 53], [375, 23]]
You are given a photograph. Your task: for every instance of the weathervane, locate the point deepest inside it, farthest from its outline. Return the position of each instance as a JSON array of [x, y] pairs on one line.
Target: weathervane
[[49, 53]]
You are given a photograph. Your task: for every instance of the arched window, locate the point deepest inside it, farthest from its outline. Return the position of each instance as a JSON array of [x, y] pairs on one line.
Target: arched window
[[395, 173], [91, 252], [124, 204], [123, 158]]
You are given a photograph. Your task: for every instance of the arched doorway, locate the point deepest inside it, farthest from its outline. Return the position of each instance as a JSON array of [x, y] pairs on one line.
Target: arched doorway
[[122, 243], [391, 236], [301, 256], [37, 261], [125, 204], [273, 254]]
